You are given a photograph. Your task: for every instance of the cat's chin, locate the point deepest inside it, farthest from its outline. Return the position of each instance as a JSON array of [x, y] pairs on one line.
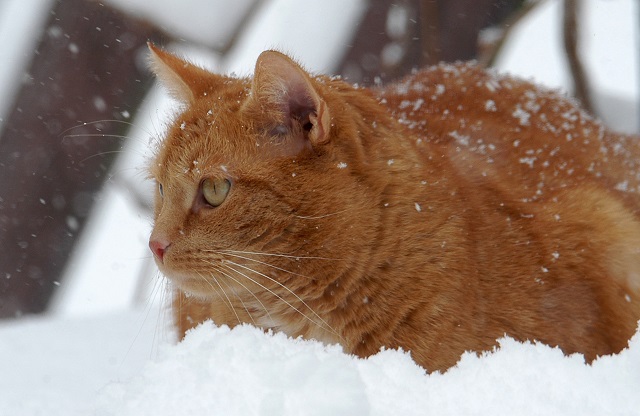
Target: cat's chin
[[192, 286]]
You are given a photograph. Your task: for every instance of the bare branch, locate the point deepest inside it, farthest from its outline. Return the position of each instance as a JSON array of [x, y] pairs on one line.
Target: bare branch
[[429, 29], [489, 50], [570, 34]]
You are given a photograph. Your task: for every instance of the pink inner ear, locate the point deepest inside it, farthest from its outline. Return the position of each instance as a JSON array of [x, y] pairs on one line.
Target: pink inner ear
[[289, 87]]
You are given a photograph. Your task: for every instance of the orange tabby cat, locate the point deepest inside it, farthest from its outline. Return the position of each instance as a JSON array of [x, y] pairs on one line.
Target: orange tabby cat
[[436, 215]]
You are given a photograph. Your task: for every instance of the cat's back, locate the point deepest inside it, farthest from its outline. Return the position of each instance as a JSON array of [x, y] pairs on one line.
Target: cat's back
[[496, 126], [546, 197]]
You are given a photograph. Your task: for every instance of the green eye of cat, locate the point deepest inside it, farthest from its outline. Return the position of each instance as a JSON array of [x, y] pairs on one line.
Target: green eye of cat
[[215, 190]]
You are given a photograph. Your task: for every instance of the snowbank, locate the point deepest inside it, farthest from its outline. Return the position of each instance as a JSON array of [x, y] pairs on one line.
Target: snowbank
[[218, 371], [57, 365]]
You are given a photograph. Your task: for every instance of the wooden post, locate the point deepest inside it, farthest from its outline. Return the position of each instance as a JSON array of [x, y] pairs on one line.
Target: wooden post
[[85, 69]]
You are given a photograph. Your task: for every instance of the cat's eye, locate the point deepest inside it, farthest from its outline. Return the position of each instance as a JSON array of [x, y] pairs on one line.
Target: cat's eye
[[215, 190], [160, 189]]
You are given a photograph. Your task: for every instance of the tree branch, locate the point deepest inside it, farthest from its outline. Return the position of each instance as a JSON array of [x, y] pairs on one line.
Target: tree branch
[[570, 37], [490, 49]]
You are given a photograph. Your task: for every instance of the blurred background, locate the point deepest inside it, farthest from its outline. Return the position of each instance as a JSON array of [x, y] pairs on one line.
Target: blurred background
[[80, 114]]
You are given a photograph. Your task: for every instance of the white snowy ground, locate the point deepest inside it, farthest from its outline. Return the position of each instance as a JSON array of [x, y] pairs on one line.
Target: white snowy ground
[[106, 349], [122, 364], [215, 371]]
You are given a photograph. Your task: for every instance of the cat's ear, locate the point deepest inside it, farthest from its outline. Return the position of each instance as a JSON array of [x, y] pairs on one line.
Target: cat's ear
[[185, 81], [281, 83]]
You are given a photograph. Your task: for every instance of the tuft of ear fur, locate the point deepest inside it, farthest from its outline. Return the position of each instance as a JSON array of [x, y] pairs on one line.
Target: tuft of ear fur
[[184, 81], [280, 82]]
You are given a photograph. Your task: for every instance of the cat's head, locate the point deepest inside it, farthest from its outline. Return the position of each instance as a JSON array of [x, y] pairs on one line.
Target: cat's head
[[254, 189]]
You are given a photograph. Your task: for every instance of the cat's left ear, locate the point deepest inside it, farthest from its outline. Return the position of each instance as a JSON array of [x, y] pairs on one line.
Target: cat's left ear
[[186, 82], [283, 84]]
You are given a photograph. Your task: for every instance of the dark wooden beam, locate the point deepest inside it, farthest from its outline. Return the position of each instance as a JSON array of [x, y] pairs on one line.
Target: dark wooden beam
[[87, 68]]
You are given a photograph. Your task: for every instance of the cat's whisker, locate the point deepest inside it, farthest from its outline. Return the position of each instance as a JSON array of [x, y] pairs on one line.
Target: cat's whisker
[[267, 264], [281, 298], [93, 123], [228, 303], [147, 313], [161, 286], [98, 128], [325, 323], [235, 295], [123, 138], [318, 217], [163, 310], [127, 174], [289, 256], [111, 152], [105, 135], [229, 276], [99, 123]]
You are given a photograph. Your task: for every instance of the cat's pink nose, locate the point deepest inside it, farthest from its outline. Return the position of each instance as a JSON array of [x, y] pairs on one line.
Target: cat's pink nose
[[158, 247]]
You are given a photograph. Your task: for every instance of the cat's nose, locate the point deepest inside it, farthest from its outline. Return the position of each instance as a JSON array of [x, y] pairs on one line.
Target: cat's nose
[[158, 247]]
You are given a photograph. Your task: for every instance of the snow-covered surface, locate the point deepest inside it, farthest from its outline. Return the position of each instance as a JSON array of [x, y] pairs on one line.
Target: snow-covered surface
[[215, 371], [58, 366], [123, 364], [99, 353]]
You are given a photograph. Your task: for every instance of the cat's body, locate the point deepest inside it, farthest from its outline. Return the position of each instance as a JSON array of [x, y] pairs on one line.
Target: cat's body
[[436, 215]]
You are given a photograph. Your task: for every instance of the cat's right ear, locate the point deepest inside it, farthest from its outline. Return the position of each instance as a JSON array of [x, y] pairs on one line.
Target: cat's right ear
[[281, 84], [184, 81]]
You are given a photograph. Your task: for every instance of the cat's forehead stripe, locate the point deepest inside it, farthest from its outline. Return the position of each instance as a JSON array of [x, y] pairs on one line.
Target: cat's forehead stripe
[[202, 136]]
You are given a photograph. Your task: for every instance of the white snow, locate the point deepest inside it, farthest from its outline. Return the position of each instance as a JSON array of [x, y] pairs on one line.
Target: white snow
[[521, 115], [247, 372], [124, 364], [58, 366], [528, 161]]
